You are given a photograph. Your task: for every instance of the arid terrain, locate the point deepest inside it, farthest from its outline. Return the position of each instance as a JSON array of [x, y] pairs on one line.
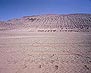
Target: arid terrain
[[46, 44]]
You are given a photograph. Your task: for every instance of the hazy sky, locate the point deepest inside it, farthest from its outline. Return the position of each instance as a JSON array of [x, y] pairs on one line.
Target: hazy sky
[[18, 8]]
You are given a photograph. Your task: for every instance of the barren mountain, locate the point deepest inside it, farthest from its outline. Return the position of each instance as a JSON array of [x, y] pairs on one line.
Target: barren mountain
[[46, 44], [75, 22]]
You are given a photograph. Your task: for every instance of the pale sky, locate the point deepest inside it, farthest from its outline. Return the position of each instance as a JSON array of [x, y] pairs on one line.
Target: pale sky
[[17, 8]]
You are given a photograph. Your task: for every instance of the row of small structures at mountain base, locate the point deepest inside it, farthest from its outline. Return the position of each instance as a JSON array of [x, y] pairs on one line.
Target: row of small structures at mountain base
[[62, 30]]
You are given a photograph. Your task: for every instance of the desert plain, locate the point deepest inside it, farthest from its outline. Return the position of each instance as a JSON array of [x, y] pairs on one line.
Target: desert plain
[[49, 50]]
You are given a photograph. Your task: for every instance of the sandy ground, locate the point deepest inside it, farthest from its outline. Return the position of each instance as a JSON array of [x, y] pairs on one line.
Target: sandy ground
[[44, 52]]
